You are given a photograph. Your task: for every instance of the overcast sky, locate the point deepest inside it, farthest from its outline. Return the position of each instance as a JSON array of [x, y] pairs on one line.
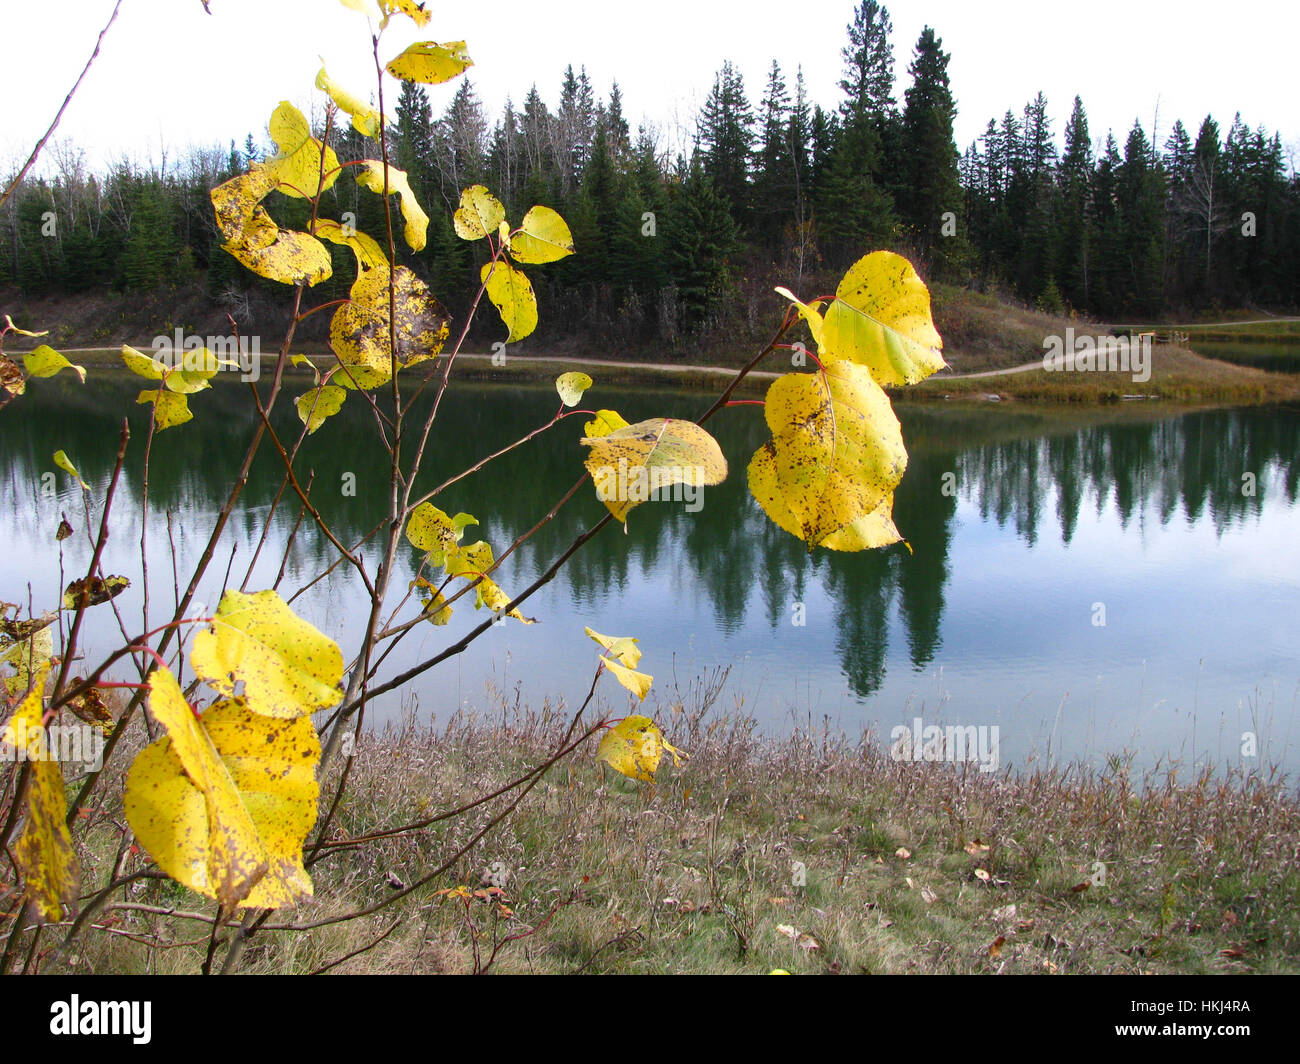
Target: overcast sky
[[171, 75]]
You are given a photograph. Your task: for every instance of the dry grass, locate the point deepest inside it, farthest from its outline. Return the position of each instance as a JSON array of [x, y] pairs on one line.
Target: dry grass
[[694, 874]]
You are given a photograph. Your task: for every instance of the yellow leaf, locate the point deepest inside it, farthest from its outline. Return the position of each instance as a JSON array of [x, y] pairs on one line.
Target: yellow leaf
[[629, 463], [431, 530], [287, 667], [512, 294], [318, 404], [365, 119], [170, 408], [634, 747], [367, 250], [416, 10], [435, 605], [23, 332], [543, 237], [63, 462], [491, 596], [880, 318], [431, 63], [44, 853], [223, 802], [371, 176], [44, 361], [571, 386], [479, 213], [810, 312], [636, 682], [144, 365], [297, 167], [623, 648], [29, 657], [255, 240], [11, 377], [836, 455], [605, 422], [359, 328]]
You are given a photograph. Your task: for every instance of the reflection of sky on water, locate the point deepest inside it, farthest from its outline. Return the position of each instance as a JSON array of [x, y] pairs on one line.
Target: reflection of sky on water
[[990, 622]]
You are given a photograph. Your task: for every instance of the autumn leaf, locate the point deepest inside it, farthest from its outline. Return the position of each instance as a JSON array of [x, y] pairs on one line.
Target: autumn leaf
[[634, 747], [359, 329], [93, 590], [628, 463], [880, 318], [223, 802], [430, 62], [371, 176], [44, 852], [478, 214], [512, 294], [571, 386], [836, 455], [365, 119], [44, 361], [543, 236], [286, 668]]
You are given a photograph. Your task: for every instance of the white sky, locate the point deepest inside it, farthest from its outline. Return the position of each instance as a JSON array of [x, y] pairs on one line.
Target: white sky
[[171, 75]]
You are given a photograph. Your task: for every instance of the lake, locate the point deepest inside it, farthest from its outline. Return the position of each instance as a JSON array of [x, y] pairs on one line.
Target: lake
[[1087, 582]]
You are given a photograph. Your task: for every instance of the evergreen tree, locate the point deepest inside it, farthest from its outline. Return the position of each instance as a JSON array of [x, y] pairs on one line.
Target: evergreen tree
[[726, 137], [931, 155]]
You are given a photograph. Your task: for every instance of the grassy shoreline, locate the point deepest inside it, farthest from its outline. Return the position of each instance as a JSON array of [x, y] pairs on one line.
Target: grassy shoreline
[[908, 867]]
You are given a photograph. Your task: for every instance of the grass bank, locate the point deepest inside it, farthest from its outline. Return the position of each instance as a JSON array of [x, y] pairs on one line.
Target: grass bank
[[906, 867]]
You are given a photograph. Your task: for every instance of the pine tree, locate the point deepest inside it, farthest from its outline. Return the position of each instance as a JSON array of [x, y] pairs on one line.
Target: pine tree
[[931, 155], [726, 139]]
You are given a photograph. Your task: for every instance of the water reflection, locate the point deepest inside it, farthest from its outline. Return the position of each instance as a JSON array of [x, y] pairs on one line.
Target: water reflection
[[1018, 522]]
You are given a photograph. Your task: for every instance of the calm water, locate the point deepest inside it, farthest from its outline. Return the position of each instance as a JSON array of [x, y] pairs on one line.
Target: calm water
[[1055, 521]]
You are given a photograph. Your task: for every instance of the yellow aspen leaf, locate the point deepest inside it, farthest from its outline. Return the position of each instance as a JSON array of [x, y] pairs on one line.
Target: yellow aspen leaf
[[542, 237], [880, 318], [170, 408], [44, 361], [287, 667], [471, 560], [318, 404], [28, 657], [478, 214], [195, 371], [836, 455], [223, 802], [636, 682], [431, 63], [144, 365], [512, 294], [371, 176], [810, 312], [359, 328], [44, 851], [605, 422], [23, 332], [489, 594], [369, 8], [571, 386], [623, 648], [365, 119], [429, 529], [629, 463], [634, 747], [63, 462], [367, 250], [298, 168], [416, 10], [254, 240], [435, 604]]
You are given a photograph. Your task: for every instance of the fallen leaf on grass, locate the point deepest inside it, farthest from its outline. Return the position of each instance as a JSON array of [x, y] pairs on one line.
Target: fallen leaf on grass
[[995, 948]]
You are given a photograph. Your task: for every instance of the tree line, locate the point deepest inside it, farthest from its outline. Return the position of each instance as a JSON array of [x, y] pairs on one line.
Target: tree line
[[778, 191]]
